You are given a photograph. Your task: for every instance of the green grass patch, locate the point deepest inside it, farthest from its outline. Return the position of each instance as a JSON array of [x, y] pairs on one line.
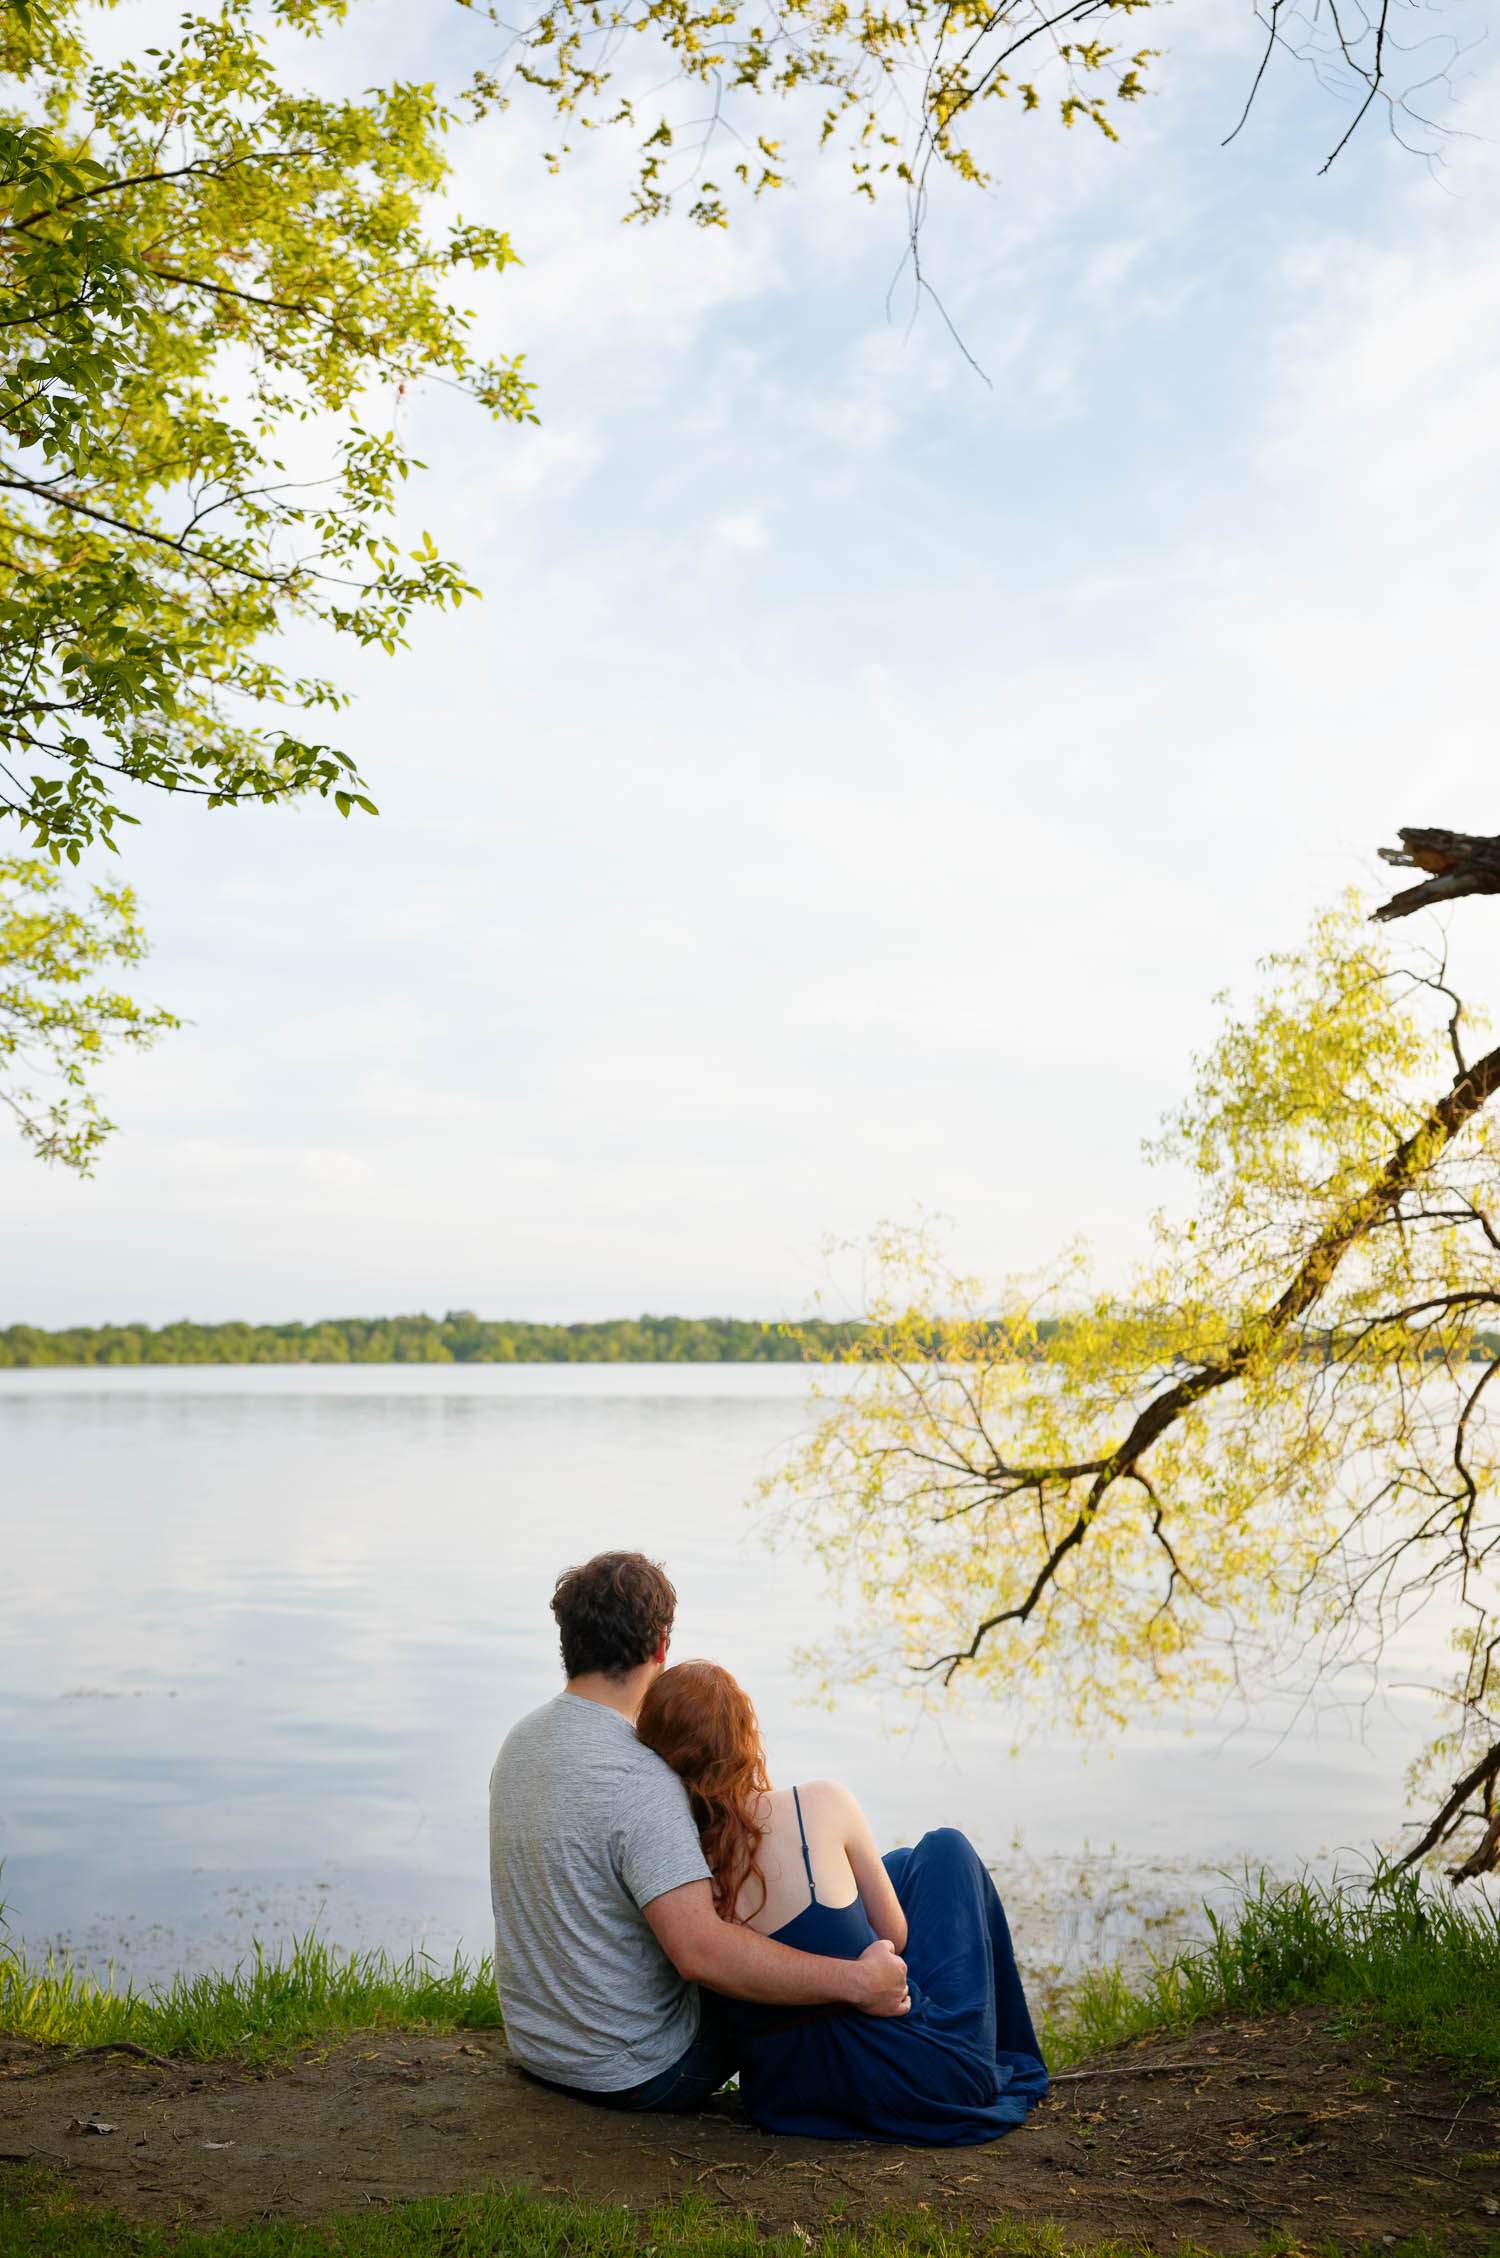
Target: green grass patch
[[1421, 1967], [1392, 1954], [41, 2220], [265, 2009]]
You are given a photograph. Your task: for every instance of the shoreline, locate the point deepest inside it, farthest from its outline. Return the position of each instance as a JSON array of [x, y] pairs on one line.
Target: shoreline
[[1325, 2070]]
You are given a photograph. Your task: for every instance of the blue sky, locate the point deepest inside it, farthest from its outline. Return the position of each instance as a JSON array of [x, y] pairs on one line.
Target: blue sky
[[858, 777]]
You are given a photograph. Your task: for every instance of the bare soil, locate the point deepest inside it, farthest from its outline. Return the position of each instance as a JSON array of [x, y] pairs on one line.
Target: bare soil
[[1220, 2137]]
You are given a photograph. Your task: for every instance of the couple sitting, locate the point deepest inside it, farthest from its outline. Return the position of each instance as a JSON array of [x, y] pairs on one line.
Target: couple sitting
[[664, 1917]]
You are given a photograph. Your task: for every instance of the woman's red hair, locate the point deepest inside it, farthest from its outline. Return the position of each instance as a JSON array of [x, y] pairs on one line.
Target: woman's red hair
[[703, 1724]]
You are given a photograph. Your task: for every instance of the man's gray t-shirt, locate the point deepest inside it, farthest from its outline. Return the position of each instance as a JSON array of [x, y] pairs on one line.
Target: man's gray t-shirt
[[586, 1827]]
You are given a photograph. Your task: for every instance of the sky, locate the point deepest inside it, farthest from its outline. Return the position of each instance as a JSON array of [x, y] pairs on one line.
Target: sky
[[861, 773]]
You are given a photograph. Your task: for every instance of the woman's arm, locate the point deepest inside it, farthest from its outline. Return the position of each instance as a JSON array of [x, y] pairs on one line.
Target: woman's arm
[[877, 1892], [731, 1958]]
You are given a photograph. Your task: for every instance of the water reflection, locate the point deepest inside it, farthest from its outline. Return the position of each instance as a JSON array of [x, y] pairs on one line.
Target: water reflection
[[262, 1631]]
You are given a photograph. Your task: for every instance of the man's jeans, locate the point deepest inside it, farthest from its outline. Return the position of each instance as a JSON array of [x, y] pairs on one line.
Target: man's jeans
[[685, 2084]]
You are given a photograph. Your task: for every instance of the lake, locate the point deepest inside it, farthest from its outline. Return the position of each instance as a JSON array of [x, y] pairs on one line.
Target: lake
[[262, 1629]]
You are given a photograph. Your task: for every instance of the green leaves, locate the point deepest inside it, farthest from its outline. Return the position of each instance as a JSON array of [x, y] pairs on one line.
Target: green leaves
[[193, 258], [894, 85], [58, 1016]]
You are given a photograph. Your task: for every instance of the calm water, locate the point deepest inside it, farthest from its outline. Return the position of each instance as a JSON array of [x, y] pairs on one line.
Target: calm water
[[261, 1631]]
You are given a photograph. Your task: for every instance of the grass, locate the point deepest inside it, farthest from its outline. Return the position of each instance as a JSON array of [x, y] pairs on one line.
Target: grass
[[1392, 1955], [39, 2219], [265, 2009], [1421, 1968]]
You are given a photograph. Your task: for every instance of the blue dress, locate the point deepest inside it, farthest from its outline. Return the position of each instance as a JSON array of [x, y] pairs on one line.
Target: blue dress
[[964, 2066]]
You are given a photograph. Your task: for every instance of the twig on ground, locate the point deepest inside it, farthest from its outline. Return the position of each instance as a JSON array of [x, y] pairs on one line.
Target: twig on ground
[[1155, 2070], [65, 2056]]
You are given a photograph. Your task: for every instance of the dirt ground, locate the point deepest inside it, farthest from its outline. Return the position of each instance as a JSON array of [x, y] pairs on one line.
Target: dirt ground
[[1220, 2137]]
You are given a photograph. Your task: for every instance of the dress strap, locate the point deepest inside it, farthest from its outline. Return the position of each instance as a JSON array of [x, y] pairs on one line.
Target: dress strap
[[806, 1856]]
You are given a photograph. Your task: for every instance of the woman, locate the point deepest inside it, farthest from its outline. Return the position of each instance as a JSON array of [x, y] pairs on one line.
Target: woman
[[800, 1865]]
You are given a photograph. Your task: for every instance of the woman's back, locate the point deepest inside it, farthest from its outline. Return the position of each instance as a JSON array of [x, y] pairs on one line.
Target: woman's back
[[821, 1870], [799, 1908], [802, 1858]]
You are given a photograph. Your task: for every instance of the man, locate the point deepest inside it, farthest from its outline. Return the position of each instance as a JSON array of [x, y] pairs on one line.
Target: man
[[604, 1916]]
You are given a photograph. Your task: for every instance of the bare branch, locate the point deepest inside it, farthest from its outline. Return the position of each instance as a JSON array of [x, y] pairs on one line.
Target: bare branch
[[1458, 863], [1481, 1780]]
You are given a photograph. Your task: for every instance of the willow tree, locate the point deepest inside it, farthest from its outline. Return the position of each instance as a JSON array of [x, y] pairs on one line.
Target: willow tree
[[1265, 1447], [215, 287]]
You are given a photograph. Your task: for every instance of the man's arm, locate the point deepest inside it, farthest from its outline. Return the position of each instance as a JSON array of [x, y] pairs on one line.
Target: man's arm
[[729, 1958]]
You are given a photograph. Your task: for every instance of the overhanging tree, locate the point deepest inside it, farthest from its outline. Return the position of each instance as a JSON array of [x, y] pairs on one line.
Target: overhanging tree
[[200, 263], [1266, 1450], [202, 271]]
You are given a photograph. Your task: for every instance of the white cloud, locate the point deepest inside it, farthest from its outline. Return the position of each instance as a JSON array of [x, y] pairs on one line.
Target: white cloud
[[544, 461], [743, 529]]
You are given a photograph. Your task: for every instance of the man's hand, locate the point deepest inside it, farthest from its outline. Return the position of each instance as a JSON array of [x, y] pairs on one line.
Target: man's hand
[[880, 1973], [733, 1959]]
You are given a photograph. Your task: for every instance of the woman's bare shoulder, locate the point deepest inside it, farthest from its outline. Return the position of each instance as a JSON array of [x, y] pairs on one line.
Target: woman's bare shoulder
[[828, 1796]]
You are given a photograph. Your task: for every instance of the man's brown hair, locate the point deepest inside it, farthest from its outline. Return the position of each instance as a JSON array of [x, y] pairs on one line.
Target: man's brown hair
[[612, 1613]]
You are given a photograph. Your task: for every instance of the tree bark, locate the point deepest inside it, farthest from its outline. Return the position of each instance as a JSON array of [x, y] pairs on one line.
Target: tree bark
[[1458, 862]]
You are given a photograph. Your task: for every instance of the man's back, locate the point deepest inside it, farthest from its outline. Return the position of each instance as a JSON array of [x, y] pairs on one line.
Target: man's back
[[586, 1827]]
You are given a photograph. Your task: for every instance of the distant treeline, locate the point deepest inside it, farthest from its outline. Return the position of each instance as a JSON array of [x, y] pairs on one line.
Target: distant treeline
[[458, 1338], [463, 1338]]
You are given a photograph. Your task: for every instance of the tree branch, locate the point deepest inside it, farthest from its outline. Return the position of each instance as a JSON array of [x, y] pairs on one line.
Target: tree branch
[[1415, 1154], [1482, 1781], [1459, 862], [193, 557], [150, 179]]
